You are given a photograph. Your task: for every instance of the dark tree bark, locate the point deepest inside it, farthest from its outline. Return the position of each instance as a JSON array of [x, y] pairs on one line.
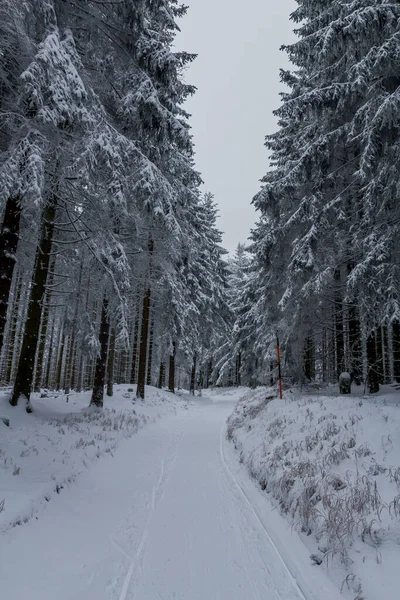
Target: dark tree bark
[[24, 376], [144, 333], [50, 355], [60, 363], [339, 332], [372, 362], [161, 376], [209, 373], [101, 362], [43, 332], [135, 346], [309, 359], [193, 376], [171, 372], [150, 358], [386, 354], [379, 355], [9, 237], [355, 345], [396, 351], [13, 330], [110, 364], [239, 369]]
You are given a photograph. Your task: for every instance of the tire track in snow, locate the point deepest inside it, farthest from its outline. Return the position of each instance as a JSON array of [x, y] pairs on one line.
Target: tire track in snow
[[156, 496], [302, 594]]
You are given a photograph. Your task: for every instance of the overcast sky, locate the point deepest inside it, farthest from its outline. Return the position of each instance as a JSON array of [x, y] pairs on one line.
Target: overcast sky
[[237, 76]]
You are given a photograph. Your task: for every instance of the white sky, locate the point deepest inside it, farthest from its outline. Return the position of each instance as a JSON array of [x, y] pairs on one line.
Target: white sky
[[237, 76]]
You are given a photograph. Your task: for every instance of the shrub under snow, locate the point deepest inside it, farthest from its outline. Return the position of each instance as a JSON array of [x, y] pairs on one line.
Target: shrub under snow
[[332, 464]]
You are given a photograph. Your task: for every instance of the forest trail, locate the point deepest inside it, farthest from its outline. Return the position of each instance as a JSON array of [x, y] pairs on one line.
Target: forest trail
[[165, 518]]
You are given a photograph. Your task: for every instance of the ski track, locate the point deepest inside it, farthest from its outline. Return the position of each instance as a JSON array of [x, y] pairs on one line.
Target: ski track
[[155, 497], [253, 510], [168, 518]]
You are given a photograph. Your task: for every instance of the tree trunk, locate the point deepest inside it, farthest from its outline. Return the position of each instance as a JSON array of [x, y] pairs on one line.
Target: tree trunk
[[110, 365], [13, 328], [386, 354], [144, 333], [9, 237], [150, 359], [239, 369], [171, 373], [339, 331], [43, 332], [161, 376], [209, 373], [50, 355], [396, 351], [309, 359], [379, 354], [355, 345], [135, 345], [60, 363], [24, 376], [373, 376], [101, 362], [193, 376]]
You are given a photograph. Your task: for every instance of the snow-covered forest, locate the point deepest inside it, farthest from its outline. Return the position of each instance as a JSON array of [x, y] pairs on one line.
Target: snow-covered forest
[[111, 265], [138, 358], [323, 264], [111, 261]]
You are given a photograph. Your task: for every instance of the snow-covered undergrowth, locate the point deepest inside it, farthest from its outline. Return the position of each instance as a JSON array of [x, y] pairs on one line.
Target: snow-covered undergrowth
[[332, 465], [43, 452]]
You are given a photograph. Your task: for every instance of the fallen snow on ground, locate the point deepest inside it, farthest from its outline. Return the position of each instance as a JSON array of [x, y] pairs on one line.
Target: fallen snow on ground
[[43, 452], [172, 515], [332, 465]]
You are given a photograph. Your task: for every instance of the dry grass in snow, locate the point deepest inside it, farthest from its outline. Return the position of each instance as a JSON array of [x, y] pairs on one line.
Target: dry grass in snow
[[43, 452], [332, 465]]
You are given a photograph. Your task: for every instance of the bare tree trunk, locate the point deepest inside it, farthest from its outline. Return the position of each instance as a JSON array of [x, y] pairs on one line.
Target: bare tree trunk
[[339, 330], [9, 237], [135, 346], [144, 332], [150, 358], [171, 373], [209, 373], [50, 354], [24, 376], [309, 359], [161, 376], [193, 376], [12, 335], [355, 345], [386, 354], [379, 354], [110, 365], [43, 331], [60, 363], [372, 363], [101, 362]]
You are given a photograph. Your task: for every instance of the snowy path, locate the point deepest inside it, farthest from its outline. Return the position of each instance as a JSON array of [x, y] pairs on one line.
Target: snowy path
[[162, 519]]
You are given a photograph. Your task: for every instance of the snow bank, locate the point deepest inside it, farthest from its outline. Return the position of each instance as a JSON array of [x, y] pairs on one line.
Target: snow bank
[[43, 452], [332, 465]]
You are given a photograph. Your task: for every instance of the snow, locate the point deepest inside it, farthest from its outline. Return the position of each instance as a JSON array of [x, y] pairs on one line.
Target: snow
[[169, 514], [41, 454], [331, 465]]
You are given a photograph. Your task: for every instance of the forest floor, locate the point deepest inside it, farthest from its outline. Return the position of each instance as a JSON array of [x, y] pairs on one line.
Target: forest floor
[[331, 465], [168, 513]]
